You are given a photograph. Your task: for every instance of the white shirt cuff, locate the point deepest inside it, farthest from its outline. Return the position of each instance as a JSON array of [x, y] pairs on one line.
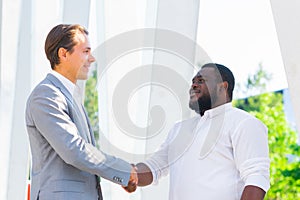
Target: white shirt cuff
[[258, 181], [153, 171]]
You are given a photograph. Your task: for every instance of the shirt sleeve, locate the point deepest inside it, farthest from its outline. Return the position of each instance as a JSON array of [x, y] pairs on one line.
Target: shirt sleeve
[[159, 161], [251, 152]]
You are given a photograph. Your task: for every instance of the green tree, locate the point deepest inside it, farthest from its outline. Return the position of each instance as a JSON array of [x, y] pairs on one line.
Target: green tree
[[256, 83], [91, 102], [283, 147]]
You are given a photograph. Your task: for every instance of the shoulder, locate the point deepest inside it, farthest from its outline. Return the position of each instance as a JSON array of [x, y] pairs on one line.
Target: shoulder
[[45, 89], [184, 127], [45, 93], [240, 114], [243, 119], [187, 122]]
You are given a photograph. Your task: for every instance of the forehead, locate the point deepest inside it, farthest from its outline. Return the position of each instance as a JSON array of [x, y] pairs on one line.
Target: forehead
[[81, 39], [207, 72]]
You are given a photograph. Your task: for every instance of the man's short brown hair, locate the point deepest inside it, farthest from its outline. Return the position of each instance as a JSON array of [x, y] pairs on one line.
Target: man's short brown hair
[[61, 35]]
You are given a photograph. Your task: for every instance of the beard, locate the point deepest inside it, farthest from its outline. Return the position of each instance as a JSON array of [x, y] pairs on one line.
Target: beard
[[201, 105]]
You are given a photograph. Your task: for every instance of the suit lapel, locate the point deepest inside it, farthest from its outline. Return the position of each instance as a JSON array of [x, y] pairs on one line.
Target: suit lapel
[[60, 86], [75, 113], [90, 128]]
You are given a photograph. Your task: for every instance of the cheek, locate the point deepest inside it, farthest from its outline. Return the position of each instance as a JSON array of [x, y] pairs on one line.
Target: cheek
[[85, 57], [212, 89]]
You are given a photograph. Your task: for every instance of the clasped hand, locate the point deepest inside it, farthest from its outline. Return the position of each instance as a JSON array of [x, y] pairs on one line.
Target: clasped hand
[[133, 180]]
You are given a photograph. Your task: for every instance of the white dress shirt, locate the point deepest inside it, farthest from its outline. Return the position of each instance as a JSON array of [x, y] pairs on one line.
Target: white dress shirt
[[215, 156], [74, 90], [66, 82]]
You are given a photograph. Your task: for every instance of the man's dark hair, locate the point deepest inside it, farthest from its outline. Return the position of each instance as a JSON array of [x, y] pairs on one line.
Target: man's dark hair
[[63, 36], [225, 74]]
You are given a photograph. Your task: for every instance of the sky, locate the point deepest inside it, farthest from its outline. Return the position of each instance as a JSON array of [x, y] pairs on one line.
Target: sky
[[241, 34]]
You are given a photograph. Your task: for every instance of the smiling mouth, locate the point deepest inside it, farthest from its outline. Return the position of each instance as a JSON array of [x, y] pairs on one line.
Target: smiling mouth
[[193, 93], [86, 67]]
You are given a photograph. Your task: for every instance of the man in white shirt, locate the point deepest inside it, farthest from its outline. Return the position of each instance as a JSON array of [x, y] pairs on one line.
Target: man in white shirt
[[220, 154]]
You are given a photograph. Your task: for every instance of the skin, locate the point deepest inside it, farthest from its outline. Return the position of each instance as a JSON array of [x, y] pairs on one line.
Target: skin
[[133, 180], [144, 174], [207, 91], [75, 66], [253, 193]]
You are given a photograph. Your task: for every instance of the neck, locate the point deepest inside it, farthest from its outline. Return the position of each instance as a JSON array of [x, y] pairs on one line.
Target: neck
[[214, 106], [65, 74]]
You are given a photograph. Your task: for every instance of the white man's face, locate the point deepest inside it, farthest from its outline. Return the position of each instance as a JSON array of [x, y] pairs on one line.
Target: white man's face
[[81, 58]]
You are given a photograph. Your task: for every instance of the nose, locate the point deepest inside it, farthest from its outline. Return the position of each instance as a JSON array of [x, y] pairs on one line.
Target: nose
[[92, 58], [194, 85]]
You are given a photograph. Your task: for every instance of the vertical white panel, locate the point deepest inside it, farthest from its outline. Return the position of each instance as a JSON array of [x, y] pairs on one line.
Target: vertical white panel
[[115, 19], [18, 162], [176, 63], [9, 42], [46, 14], [286, 16], [2, 159], [0, 40], [125, 74], [77, 12]]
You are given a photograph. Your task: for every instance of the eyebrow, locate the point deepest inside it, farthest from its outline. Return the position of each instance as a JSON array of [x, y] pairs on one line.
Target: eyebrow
[[197, 76]]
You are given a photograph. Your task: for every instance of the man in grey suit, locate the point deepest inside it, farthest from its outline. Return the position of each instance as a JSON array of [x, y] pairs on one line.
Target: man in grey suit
[[65, 162]]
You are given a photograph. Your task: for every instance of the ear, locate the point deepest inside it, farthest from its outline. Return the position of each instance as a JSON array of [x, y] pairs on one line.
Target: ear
[[62, 53], [224, 86]]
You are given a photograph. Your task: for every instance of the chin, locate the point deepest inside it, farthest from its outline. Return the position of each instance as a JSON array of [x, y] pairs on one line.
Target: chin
[[83, 77], [194, 106]]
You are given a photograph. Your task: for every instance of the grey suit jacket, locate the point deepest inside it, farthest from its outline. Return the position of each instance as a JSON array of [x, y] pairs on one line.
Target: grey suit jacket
[[64, 163]]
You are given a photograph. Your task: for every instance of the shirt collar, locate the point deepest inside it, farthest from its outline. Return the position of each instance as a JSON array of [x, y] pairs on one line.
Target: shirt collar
[[217, 110], [66, 82]]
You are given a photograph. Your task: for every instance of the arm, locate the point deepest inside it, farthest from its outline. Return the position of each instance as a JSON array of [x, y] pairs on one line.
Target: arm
[[143, 177], [133, 180], [253, 193], [158, 162], [250, 148], [49, 113], [144, 174]]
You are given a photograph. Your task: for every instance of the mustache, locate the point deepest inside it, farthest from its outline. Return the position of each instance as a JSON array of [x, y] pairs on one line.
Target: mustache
[[192, 91]]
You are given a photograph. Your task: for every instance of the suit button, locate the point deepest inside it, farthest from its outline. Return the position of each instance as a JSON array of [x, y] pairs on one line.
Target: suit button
[[118, 179]]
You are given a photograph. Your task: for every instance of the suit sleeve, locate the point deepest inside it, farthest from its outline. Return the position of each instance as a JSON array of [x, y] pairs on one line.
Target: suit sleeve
[[49, 113]]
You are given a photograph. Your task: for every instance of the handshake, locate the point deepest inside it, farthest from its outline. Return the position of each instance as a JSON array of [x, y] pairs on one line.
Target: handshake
[[140, 175]]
